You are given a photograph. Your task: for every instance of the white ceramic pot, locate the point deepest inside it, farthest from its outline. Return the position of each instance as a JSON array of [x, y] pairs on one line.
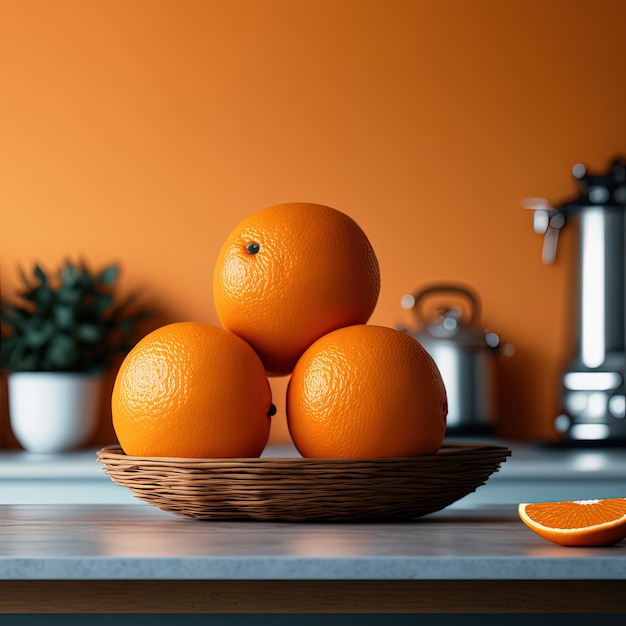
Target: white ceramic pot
[[53, 411]]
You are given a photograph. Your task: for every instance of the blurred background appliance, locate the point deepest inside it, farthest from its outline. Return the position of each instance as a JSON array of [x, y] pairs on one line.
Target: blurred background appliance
[[464, 352], [592, 386]]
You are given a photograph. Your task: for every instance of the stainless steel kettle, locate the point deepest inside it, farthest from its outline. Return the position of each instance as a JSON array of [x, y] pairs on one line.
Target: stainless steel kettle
[[464, 353]]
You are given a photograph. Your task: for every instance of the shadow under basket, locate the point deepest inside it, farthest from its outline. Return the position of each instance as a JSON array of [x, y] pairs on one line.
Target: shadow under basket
[[304, 489]]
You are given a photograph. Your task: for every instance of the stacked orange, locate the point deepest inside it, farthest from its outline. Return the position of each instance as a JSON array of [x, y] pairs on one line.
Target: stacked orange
[[296, 285]]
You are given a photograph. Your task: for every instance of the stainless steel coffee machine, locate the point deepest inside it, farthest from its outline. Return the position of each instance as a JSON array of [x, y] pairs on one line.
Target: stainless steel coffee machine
[[592, 387]]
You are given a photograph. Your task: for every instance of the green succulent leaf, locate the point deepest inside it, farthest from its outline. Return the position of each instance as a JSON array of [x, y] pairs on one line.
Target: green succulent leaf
[[40, 275], [8, 347], [43, 299], [85, 280], [102, 302], [13, 315], [68, 294], [109, 275], [90, 333], [38, 335], [69, 276], [64, 316], [62, 352]]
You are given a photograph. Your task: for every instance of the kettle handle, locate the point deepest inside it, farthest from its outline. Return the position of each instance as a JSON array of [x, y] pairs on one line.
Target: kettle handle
[[413, 301]]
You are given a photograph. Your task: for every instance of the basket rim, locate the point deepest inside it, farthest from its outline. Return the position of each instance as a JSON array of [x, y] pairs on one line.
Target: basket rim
[[448, 450], [299, 489]]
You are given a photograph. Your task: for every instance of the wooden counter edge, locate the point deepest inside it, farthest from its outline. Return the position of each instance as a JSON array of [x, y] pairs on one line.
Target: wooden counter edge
[[315, 596]]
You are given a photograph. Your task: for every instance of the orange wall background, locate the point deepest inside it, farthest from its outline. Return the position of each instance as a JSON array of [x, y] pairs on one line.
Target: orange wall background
[[143, 131]]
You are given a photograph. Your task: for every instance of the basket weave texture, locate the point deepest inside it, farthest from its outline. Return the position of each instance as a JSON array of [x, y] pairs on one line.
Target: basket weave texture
[[303, 489]]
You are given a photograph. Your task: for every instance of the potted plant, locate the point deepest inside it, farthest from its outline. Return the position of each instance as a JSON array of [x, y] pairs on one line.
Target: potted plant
[[59, 337]]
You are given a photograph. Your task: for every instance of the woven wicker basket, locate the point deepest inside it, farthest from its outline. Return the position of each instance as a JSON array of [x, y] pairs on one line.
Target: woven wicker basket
[[305, 490]]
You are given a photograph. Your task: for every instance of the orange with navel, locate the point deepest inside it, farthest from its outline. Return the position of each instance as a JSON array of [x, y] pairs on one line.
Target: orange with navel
[[366, 391], [192, 390], [291, 273]]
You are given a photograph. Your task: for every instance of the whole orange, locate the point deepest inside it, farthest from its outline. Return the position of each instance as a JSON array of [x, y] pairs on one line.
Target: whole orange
[[192, 390], [289, 274], [366, 391]]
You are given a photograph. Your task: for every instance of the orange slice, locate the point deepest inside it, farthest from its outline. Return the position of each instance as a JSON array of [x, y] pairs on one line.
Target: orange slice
[[577, 522]]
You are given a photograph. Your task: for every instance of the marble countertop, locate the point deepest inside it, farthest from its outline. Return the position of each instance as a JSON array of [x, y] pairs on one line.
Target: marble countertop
[[78, 542]]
